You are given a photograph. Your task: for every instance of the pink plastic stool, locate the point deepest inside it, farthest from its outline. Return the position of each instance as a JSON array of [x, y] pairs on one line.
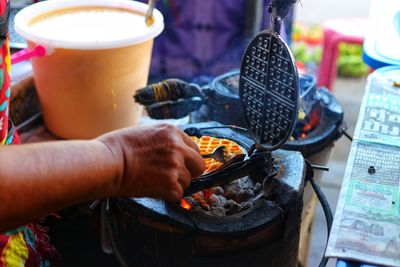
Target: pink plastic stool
[[347, 30]]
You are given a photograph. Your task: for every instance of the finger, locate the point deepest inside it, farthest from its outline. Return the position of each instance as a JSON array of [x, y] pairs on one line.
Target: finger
[[167, 186], [188, 141], [184, 178], [175, 194], [194, 162]]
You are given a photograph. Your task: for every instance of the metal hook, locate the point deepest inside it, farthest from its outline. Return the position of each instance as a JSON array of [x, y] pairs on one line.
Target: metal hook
[[275, 22]]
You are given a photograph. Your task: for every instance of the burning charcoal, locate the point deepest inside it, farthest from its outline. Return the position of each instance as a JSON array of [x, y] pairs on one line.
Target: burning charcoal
[[231, 191], [219, 190], [257, 188], [192, 202], [241, 183], [229, 203], [246, 205], [231, 207], [197, 209], [244, 195], [222, 200], [205, 207], [214, 201], [202, 200], [245, 182], [213, 190], [249, 192], [218, 211]]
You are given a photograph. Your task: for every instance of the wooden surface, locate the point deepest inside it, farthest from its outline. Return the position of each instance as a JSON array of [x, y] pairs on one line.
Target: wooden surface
[[305, 231]]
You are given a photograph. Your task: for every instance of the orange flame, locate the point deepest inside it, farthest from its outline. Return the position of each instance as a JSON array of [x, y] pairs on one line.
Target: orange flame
[[185, 204], [312, 124]]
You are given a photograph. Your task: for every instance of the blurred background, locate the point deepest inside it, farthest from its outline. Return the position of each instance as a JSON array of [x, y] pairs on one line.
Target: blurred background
[[348, 87]]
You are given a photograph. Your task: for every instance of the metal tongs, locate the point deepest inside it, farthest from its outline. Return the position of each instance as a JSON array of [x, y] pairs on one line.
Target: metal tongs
[[218, 154], [237, 167]]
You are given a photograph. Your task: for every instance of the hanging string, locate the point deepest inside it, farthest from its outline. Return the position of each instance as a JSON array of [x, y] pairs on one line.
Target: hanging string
[[283, 6]]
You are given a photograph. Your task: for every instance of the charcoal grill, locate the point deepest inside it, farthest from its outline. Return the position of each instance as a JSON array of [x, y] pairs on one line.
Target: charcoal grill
[[149, 232]]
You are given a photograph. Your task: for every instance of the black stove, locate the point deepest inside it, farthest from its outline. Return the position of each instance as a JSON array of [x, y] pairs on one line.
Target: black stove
[[150, 232]]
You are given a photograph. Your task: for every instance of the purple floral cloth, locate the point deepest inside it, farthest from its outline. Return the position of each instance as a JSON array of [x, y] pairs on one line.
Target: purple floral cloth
[[201, 37]]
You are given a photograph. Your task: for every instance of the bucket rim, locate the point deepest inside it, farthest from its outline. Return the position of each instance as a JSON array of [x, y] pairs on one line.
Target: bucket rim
[[24, 16]]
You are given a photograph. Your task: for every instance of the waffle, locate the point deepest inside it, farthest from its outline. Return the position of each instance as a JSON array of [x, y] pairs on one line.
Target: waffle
[[208, 144]]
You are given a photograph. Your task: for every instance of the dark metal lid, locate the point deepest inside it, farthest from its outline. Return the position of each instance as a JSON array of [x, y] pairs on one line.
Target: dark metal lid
[[269, 90]]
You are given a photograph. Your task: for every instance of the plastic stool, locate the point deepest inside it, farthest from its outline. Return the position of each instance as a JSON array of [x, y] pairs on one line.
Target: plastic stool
[[347, 30]]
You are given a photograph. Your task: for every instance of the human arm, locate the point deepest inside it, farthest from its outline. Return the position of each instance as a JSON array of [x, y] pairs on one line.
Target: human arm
[[37, 179]]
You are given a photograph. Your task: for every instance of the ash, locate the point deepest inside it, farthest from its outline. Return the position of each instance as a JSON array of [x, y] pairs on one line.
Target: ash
[[229, 199]]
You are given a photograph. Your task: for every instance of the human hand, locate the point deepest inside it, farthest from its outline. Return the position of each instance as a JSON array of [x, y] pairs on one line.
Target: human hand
[[154, 161]]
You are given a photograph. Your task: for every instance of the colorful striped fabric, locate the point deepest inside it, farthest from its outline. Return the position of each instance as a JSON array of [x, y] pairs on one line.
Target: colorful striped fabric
[[28, 245], [4, 91], [5, 66]]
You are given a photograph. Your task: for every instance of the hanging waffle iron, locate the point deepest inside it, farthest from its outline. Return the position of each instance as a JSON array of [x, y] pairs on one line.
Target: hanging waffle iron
[[269, 93]]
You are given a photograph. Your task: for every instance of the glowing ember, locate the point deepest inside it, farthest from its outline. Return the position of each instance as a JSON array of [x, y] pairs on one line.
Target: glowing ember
[[306, 126], [185, 204]]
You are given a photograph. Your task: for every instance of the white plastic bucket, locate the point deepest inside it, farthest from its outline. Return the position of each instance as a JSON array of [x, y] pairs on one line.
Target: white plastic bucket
[[85, 88]]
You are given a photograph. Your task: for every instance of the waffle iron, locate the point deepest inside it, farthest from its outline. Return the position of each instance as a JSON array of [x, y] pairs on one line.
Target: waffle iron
[[269, 94]]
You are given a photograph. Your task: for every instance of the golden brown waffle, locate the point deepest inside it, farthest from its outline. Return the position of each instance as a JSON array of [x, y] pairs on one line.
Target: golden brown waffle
[[208, 144]]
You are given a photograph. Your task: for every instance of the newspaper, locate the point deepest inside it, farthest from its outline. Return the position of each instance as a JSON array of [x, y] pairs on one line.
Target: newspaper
[[366, 226]]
